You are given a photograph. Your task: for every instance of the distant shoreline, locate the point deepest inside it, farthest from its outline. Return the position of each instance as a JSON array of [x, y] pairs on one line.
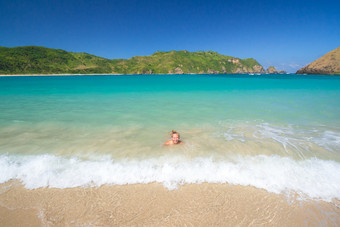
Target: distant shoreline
[[64, 74], [108, 74], [102, 74]]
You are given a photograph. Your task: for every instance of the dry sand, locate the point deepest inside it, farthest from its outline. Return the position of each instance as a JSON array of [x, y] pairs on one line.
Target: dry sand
[[153, 205]]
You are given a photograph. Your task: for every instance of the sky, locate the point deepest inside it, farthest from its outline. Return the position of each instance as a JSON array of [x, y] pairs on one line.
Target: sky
[[285, 34]]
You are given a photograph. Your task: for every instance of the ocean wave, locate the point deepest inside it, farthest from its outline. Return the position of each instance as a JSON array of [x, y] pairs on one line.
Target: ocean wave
[[314, 178], [290, 137]]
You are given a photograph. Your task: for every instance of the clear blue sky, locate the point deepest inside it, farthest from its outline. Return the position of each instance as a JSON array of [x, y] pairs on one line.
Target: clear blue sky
[[286, 34]]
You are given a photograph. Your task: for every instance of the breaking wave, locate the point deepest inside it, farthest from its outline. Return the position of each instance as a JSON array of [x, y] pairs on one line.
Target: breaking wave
[[314, 178]]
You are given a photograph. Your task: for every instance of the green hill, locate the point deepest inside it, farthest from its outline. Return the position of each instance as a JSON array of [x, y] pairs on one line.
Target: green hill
[[41, 60]]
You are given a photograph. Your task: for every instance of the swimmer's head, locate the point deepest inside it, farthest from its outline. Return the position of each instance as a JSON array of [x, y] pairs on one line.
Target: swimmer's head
[[174, 136]]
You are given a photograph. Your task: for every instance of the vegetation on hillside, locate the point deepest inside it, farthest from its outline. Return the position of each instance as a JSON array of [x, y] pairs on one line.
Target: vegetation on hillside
[[41, 60]]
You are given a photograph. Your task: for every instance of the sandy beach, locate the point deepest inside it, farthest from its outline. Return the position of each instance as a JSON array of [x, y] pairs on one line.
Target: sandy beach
[[153, 205]]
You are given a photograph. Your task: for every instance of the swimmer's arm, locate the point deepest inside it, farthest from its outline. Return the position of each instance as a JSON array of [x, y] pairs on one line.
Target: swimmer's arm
[[167, 143], [170, 143]]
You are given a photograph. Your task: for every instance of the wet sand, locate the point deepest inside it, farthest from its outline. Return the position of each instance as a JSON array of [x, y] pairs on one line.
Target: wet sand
[[153, 205], [19, 217]]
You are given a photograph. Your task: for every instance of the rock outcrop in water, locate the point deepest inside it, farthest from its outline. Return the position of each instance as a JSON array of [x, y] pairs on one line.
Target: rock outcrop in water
[[327, 64], [41, 60], [271, 70]]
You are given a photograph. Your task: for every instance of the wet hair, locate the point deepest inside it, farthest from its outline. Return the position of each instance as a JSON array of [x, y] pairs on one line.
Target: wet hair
[[174, 132]]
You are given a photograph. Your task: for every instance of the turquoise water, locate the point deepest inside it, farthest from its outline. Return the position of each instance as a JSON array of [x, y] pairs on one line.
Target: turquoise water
[[107, 99], [226, 121]]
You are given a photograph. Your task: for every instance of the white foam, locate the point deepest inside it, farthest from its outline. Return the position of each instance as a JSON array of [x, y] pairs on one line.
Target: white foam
[[298, 138], [329, 140], [286, 136], [291, 137], [314, 178], [229, 135]]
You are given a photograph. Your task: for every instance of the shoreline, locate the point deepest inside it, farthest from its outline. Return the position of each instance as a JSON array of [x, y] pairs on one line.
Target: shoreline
[[109, 74], [117, 74], [205, 204], [96, 74]]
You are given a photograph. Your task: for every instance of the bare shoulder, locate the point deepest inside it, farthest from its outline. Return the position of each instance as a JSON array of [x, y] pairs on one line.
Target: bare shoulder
[[168, 143]]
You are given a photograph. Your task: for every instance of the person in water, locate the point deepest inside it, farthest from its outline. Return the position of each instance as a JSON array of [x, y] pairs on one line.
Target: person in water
[[175, 139]]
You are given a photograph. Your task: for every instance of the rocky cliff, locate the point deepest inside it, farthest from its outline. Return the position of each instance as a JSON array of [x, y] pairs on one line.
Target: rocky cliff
[[327, 64]]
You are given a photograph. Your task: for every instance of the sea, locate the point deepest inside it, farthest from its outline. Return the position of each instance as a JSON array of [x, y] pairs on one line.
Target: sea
[[280, 133]]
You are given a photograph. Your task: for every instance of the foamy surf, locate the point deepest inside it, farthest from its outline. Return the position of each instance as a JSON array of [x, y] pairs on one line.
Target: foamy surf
[[289, 136], [313, 178]]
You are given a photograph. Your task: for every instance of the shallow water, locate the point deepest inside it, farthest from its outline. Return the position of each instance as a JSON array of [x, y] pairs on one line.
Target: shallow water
[[276, 132]]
